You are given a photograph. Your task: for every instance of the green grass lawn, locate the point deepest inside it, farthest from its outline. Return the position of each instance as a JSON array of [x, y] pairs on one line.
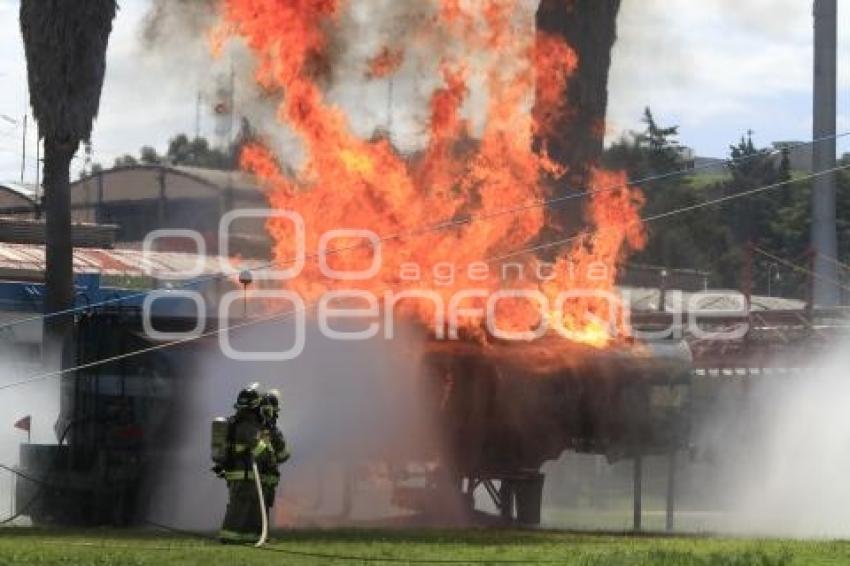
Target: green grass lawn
[[108, 547]]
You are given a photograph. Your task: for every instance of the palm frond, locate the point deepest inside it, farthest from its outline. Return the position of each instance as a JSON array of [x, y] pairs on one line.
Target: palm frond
[[65, 43]]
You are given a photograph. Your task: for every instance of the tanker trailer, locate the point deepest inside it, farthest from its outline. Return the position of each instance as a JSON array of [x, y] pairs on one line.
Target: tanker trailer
[[502, 409]]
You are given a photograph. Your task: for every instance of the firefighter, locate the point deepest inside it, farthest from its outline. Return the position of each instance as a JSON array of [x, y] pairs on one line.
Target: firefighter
[[269, 464], [246, 443]]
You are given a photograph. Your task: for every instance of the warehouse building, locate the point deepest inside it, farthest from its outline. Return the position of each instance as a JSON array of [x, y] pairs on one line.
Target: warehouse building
[[18, 200], [143, 198]]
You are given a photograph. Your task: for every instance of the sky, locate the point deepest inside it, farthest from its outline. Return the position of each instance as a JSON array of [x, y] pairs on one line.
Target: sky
[[716, 68]]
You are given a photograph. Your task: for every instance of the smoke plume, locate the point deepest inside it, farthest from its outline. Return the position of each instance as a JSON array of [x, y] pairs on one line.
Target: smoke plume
[[346, 408], [790, 479], [39, 400]]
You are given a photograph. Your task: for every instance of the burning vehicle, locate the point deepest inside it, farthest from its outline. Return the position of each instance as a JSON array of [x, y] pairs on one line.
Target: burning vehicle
[[504, 409]]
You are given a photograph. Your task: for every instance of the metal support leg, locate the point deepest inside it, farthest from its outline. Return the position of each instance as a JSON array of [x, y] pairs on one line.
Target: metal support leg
[[506, 496], [469, 493], [347, 492], [671, 489], [638, 484]]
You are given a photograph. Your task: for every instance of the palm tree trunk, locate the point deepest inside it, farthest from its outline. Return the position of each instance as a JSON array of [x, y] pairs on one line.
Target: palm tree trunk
[[59, 276]]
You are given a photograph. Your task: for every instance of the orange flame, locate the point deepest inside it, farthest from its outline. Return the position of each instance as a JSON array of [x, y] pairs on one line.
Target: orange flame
[[350, 182], [385, 63]]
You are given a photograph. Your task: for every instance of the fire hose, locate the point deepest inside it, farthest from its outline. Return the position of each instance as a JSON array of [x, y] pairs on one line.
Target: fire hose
[[292, 552], [263, 511]]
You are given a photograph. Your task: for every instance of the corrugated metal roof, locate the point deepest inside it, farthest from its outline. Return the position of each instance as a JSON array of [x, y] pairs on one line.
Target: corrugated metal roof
[[646, 299], [27, 191], [30, 259], [221, 179], [217, 179], [31, 231]]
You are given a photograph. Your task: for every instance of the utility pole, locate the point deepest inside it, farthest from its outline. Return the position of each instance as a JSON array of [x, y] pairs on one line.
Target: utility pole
[[198, 102], [38, 164], [24, 151], [823, 233]]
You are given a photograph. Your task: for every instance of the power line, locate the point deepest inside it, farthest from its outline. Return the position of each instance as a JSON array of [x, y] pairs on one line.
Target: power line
[[156, 347], [834, 261], [279, 550], [288, 314], [799, 268], [660, 216], [444, 225]]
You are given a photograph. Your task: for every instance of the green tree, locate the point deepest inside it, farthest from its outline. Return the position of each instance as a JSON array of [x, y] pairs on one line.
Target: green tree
[[196, 152], [664, 153], [149, 156], [717, 238], [751, 168], [125, 161], [693, 240], [771, 219], [790, 229]]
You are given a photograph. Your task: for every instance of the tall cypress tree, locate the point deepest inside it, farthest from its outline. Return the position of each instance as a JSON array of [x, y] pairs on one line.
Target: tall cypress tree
[[590, 28]]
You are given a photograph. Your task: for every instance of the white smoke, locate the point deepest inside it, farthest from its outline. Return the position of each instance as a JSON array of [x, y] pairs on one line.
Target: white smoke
[[39, 400], [397, 103], [345, 405], [770, 458], [794, 481]]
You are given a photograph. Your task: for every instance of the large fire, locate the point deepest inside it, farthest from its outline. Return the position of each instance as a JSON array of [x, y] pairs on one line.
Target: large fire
[[462, 177]]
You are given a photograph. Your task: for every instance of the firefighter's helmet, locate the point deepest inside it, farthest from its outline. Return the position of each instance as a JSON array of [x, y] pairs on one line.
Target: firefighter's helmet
[[270, 404], [249, 398]]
